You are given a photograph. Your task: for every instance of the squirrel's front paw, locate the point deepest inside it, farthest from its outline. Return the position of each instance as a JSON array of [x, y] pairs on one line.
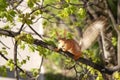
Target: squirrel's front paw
[[56, 49]]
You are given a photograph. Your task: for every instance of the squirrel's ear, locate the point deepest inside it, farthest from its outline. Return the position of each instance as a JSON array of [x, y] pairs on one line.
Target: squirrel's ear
[[65, 33], [58, 36]]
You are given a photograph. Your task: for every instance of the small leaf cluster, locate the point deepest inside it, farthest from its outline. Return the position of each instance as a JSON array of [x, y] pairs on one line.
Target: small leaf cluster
[[9, 15], [3, 71], [3, 5], [24, 37], [31, 3], [4, 51], [26, 18], [35, 72], [116, 75], [10, 64], [23, 75], [114, 41], [24, 61]]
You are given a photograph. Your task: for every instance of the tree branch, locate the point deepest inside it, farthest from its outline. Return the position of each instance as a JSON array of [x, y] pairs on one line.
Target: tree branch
[[118, 12], [51, 47], [118, 44], [8, 33], [91, 11], [15, 7], [15, 61], [111, 16], [21, 28]]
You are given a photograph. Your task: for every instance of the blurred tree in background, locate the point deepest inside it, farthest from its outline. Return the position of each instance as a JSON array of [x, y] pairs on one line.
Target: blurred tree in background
[[100, 62]]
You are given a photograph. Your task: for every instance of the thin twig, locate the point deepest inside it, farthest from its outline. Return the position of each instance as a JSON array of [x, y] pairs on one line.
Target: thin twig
[[37, 20], [11, 2], [91, 11], [15, 61], [48, 19], [18, 4], [76, 4], [21, 28], [4, 44], [35, 31], [41, 63], [52, 6]]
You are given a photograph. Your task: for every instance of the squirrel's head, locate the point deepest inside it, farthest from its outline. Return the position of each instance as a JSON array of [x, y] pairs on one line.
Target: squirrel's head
[[61, 39], [61, 42]]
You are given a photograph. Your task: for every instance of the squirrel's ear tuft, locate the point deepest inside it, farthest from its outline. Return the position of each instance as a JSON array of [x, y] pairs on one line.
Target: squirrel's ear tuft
[[65, 33], [58, 36]]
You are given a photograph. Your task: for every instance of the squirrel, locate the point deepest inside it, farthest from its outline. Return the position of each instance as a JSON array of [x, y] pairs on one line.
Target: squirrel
[[69, 45], [88, 38]]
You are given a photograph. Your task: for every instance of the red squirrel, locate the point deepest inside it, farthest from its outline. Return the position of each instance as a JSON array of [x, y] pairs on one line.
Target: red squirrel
[[89, 37], [69, 45]]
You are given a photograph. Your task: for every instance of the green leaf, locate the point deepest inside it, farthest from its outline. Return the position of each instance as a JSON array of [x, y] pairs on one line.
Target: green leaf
[[37, 12], [50, 1], [3, 71], [6, 27], [22, 46], [82, 12], [2, 14], [35, 72], [69, 36], [10, 64], [12, 67], [67, 1], [28, 21], [9, 15], [23, 62], [31, 48], [114, 41], [30, 3], [43, 51], [98, 78], [3, 5], [12, 13], [116, 75], [4, 51], [29, 38], [49, 41], [28, 57], [23, 75]]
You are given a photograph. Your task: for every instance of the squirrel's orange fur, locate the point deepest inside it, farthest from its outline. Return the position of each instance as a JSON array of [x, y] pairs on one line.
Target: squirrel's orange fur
[[69, 45]]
